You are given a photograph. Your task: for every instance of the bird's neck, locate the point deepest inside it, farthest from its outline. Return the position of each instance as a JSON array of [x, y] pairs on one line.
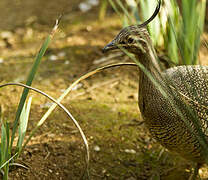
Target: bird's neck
[[148, 77], [149, 60]]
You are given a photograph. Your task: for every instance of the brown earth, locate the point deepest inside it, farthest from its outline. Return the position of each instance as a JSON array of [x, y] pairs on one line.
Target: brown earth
[[105, 105]]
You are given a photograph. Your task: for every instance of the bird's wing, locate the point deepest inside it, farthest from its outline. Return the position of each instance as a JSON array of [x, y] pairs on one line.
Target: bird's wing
[[191, 82]]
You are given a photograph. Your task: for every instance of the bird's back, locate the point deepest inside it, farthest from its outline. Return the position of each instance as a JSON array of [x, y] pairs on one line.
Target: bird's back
[[192, 84], [167, 119]]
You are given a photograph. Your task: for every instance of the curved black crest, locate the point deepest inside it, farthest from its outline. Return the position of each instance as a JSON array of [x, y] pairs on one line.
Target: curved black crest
[[157, 9], [113, 44]]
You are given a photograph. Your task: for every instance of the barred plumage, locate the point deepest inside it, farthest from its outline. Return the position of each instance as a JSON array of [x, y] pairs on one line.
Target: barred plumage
[[172, 102]]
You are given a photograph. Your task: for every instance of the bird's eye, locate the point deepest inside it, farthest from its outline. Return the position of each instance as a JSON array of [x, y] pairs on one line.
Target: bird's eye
[[130, 40]]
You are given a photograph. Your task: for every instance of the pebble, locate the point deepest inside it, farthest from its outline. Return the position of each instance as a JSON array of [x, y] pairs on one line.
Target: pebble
[[93, 2], [1, 60], [97, 148], [87, 5], [66, 62], [6, 34], [130, 151], [84, 7], [53, 58], [61, 54]]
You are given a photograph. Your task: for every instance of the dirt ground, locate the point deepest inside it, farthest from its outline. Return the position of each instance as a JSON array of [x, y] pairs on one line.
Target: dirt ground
[[105, 105]]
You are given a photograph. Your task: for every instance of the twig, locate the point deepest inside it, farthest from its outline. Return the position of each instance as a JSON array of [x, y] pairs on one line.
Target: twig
[[97, 86], [18, 164], [48, 154], [62, 107]]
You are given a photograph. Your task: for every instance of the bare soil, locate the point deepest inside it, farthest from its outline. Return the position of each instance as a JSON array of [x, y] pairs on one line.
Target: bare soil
[[105, 105]]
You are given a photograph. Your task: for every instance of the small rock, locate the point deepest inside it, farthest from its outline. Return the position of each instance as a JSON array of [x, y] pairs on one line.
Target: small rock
[[84, 7], [66, 62], [35, 150], [97, 148], [51, 135], [61, 54], [6, 34], [53, 58], [89, 28], [1, 60], [104, 171], [130, 151], [93, 2]]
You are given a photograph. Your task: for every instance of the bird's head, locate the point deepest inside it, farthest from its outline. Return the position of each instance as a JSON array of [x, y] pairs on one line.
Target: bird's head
[[133, 38]]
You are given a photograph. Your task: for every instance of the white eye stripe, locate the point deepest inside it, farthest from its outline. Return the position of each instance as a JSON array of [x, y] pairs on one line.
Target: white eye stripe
[[141, 40]]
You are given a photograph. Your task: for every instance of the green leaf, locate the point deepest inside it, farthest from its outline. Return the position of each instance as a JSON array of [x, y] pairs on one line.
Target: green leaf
[[23, 124], [3, 143], [29, 82]]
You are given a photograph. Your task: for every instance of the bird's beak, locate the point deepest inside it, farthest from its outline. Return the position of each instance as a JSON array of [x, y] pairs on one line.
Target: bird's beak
[[110, 46]]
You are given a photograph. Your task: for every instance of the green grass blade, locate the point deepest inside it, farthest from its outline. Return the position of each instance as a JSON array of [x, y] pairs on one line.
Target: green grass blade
[[4, 150], [30, 79], [65, 110], [7, 140], [3, 143], [23, 124], [103, 8], [124, 10], [115, 8], [5, 163], [201, 9], [147, 8], [29, 82]]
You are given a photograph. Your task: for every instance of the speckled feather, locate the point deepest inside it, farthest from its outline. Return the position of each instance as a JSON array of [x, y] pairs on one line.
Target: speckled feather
[[161, 114], [169, 113]]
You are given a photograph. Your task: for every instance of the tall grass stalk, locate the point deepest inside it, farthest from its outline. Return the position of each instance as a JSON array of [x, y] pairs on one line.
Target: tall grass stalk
[[181, 31], [185, 28], [22, 115], [175, 30], [29, 82]]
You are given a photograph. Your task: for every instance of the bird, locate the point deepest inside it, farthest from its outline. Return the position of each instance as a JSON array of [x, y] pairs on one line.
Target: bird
[[173, 102]]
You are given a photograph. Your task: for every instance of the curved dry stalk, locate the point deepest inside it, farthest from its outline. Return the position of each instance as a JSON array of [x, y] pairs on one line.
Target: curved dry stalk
[[19, 165], [57, 102], [62, 107], [7, 162], [68, 90], [96, 71]]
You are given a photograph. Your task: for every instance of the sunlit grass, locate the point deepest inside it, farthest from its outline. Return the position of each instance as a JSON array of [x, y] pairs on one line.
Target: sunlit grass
[[176, 31]]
